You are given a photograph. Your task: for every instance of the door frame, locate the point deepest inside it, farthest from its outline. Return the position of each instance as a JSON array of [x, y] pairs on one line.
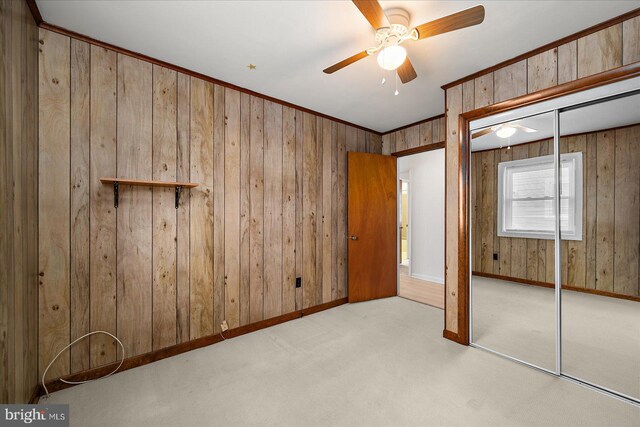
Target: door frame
[[409, 152], [399, 197], [464, 152]]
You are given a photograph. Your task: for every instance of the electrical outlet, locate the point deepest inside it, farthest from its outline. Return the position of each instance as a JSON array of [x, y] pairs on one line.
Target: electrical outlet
[[224, 325], [298, 282]]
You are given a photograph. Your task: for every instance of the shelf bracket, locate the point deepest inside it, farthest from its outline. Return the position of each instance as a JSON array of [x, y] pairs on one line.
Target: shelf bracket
[[178, 191], [115, 194]]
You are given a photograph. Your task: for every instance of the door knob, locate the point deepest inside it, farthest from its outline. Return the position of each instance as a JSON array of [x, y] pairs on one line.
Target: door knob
[[353, 237]]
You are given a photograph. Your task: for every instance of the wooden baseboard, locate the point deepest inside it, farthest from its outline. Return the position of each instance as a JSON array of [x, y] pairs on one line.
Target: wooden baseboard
[[325, 306], [35, 396], [453, 337], [551, 285], [174, 350]]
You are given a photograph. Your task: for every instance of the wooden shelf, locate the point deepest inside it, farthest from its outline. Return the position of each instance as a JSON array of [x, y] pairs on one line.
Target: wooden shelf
[[117, 181], [124, 181]]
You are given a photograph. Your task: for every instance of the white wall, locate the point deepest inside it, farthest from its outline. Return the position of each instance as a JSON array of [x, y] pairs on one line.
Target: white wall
[[426, 206]]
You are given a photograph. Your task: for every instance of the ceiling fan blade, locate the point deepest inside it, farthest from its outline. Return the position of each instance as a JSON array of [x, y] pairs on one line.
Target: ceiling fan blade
[[524, 128], [462, 19], [483, 132], [345, 62], [372, 10], [406, 72]]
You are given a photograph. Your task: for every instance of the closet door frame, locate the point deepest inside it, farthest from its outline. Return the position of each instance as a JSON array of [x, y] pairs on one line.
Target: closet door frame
[[464, 306]]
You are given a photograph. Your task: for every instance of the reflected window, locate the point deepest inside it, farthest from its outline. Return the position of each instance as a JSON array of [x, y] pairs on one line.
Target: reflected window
[[526, 198]]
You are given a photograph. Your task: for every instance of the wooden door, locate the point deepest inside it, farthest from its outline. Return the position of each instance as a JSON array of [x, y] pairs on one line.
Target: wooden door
[[372, 225]]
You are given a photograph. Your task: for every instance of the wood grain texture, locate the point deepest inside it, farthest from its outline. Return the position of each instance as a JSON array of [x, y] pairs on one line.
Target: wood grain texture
[[256, 232], [272, 209], [334, 258], [201, 210], [299, 200], [165, 140], [326, 231], [510, 82], [183, 271], [627, 212], [608, 249], [542, 70], [388, 143], [426, 133], [103, 160], [606, 44], [183, 173], [134, 232], [372, 211], [218, 206], [454, 108], [80, 182], [341, 235], [372, 12], [361, 141], [309, 206], [574, 259], [421, 291], [590, 185], [605, 210], [412, 137], [568, 62], [54, 199], [556, 43], [245, 209], [600, 51], [288, 210], [232, 171], [483, 91], [631, 41], [19, 255]]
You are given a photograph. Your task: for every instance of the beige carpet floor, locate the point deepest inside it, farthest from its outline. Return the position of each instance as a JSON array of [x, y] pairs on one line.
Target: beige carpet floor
[[379, 363], [600, 335]]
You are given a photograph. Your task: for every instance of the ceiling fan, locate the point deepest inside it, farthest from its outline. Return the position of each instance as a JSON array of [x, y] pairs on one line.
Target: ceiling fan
[[392, 29], [504, 130]]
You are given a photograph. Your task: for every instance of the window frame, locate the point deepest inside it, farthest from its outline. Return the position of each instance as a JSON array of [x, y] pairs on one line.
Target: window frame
[[575, 203]]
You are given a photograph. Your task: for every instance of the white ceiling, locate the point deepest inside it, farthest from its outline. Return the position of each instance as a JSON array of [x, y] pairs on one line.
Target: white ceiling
[[291, 42]]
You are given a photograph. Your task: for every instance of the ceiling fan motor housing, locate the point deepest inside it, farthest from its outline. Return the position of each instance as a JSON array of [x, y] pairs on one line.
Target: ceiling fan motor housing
[[397, 32], [398, 16]]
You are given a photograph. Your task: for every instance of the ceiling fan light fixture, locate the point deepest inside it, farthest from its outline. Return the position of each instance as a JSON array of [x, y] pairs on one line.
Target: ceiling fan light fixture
[[505, 131], [392, 57]]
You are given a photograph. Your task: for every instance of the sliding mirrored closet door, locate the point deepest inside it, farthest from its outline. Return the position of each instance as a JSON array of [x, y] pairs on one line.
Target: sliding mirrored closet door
[[600, 197], [565, 172], [512, 245]]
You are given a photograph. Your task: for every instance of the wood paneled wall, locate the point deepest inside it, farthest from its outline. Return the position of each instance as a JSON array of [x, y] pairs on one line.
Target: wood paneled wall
[[425, 133], [603, 50], [18, 202], [608, 256], [270, 205]]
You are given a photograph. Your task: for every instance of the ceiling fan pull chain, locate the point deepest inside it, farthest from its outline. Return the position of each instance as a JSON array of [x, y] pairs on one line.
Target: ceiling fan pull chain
[[396, 92]]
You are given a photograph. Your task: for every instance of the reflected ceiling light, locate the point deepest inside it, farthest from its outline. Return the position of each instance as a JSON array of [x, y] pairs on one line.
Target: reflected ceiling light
[[391, 57], [505, 131]]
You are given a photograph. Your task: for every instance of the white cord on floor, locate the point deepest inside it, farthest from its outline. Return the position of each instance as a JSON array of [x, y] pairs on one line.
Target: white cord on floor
[[72, 343]]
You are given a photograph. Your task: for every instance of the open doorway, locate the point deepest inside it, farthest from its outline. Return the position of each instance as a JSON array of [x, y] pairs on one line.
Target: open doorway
[[403, 216], [421, 227]]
